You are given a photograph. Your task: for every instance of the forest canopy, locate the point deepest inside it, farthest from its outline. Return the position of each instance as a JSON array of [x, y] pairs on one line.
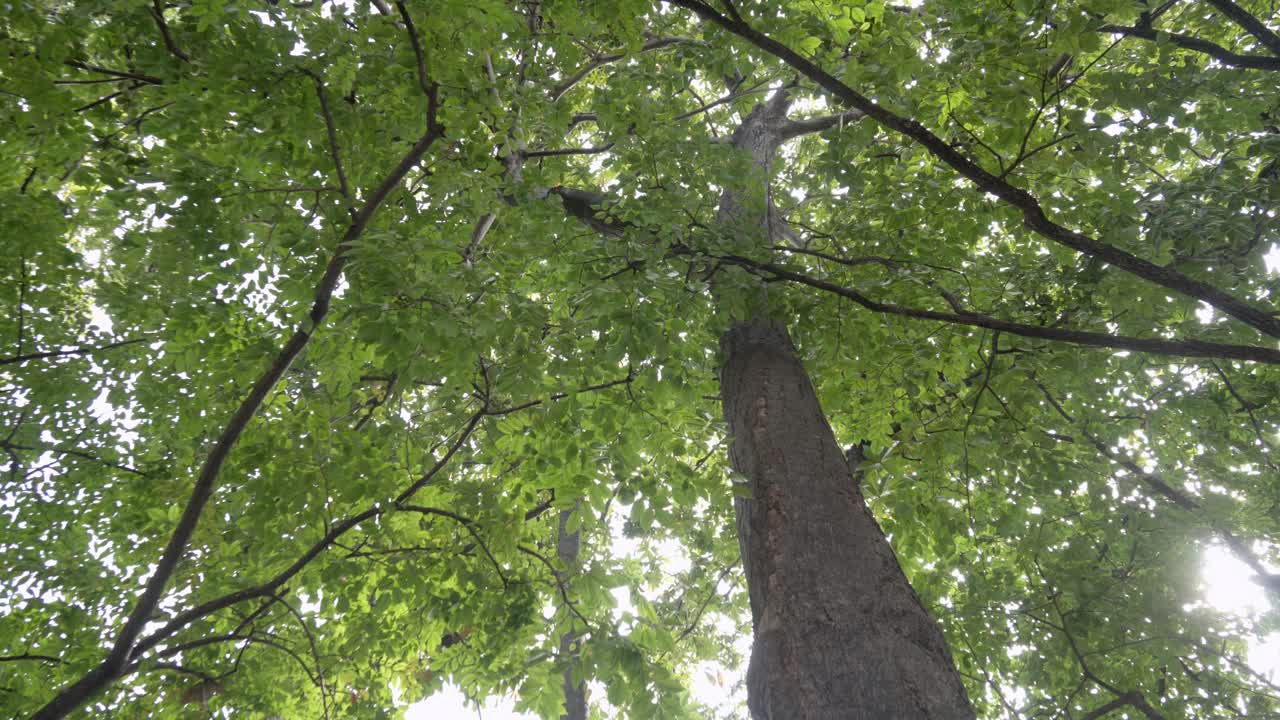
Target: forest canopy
[[351, 349]]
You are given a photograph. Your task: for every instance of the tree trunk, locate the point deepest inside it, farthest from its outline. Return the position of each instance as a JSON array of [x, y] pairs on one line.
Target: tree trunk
[[839, 632], [568, 545]]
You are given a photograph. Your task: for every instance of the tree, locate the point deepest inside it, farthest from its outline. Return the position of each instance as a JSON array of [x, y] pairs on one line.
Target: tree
[[343, 337]]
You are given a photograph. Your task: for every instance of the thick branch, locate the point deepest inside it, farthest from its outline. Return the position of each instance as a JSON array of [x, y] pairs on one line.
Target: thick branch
[[1187, 42], [1251, 24], [1034, 216], [588, 207]]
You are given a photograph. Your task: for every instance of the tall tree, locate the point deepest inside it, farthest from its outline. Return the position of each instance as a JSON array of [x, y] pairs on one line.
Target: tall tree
[[347, 342]]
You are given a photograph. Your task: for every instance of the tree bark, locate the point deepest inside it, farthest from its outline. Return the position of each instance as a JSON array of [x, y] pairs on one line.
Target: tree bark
[[838, 630], [568, 545], [839, 633]]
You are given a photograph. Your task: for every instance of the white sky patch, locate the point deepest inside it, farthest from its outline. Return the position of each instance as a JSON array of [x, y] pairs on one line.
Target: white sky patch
[[450, 704], [1204, 313], [1272, 259], [1229, 587]]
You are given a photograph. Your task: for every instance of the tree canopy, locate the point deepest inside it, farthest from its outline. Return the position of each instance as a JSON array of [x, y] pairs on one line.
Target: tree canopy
[[327, 324]]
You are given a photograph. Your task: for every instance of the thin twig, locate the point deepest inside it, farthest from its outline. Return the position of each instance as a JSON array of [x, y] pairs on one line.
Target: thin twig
[[418, 55], [564, 593], [569, 151], [467, 523], [84, 350], [332, 133], [140, 77], [568, 84]]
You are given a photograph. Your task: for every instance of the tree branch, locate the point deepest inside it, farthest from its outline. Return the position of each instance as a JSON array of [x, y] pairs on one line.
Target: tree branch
[[428, 88], [29, 657], [1175, 348], [561, 395], [568, 84], [564, 593], [806, 126], [569, 151], [94, 681], [332, 133], [1033, 214], [467, 523], [157, 13], [1251, 24], [6, 445], [1238, 547], [144, 79], [1187, 42], [18, 359]]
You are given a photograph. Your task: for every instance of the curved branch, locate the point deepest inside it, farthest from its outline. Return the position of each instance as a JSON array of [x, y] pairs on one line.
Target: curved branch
[[157, 13], [564, 593], [467, 523], [94, 681], [559, 91], [1033, 214], [1188, 42], [1175, 348], [420, 57]]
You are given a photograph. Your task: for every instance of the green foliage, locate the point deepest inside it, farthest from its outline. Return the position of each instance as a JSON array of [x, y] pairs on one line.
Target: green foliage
[[172, 187]]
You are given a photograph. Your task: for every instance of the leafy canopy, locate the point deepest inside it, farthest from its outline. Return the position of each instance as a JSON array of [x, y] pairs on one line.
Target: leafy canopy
[[177, 178]]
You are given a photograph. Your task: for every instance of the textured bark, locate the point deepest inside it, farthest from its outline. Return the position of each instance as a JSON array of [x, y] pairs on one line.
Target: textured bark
[[839, 632], [568, 545]]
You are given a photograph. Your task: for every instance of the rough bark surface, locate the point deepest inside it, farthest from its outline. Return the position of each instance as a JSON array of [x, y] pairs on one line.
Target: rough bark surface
[[839, 632], [568, 545]]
